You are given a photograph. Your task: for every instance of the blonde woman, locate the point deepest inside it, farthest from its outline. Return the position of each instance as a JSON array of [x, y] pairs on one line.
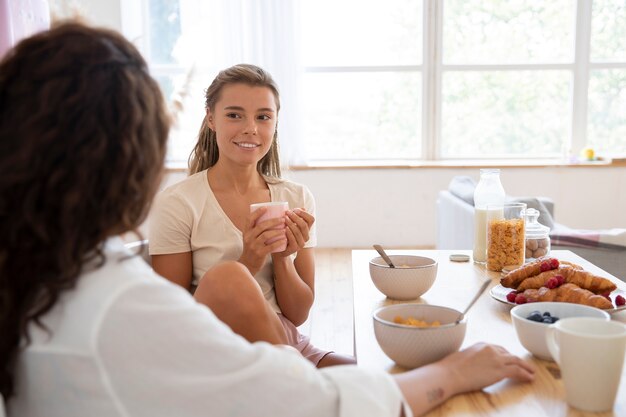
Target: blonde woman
[[206, 219]]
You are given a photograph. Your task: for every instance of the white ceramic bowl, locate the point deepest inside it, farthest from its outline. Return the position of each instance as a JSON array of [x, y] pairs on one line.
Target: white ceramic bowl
[[532, 334], [411, 347], [412, 277]]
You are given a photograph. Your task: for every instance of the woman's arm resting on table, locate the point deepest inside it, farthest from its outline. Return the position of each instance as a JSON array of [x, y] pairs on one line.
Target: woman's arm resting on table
[[176, 267], [471, 369]]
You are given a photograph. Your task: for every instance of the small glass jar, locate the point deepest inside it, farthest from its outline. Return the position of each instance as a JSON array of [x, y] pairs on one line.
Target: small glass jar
[[537, 236]]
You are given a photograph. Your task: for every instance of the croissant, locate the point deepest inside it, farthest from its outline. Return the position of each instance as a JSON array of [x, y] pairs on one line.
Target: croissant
[[568, 293], [516, 276], [589, 281], [583, 279], [540, 280], [572, 264]]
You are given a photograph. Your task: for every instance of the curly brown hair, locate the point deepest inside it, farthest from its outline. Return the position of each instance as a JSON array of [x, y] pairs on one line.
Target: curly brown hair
[[83, 132], [205, 154]]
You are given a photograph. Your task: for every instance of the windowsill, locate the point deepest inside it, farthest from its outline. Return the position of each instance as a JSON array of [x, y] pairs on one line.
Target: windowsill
[[176, 166], [179, 166], [465, 163]]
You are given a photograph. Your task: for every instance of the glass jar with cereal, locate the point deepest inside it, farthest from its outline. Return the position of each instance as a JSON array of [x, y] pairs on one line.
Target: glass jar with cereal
[[506, 236], [537, 236]]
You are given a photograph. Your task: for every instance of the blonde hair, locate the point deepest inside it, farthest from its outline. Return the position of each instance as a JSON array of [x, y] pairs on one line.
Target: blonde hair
[[206, 153]]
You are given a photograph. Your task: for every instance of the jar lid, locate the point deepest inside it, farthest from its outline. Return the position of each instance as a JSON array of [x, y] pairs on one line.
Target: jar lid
[[534, 229]]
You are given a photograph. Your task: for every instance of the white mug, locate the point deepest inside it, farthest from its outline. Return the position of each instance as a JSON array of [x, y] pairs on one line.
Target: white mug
[[590, 353]]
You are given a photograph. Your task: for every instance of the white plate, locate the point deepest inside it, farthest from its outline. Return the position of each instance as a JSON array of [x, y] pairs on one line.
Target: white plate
[[499, 293]]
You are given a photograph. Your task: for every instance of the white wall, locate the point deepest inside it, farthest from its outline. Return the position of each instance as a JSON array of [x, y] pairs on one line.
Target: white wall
[[396, 207]]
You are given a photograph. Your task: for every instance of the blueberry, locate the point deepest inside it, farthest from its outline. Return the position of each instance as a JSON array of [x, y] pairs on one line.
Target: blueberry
[[547, 313], [547, 320], [535, 316]]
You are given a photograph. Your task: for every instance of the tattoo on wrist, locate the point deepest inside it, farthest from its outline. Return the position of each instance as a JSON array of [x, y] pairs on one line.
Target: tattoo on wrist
[[434, 395]]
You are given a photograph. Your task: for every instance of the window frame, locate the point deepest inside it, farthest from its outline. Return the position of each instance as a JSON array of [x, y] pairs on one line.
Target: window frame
[[432, 70]]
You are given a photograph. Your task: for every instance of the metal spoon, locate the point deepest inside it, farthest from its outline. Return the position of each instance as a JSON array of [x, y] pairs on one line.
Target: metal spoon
[[382, 253], [481, 290]]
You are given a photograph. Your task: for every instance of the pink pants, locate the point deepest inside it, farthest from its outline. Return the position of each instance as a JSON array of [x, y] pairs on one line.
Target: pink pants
[[301, 342]]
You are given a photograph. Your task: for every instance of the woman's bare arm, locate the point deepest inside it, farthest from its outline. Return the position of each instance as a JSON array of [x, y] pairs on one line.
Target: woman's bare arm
[[471, 369], [294, 283], [176, 267]]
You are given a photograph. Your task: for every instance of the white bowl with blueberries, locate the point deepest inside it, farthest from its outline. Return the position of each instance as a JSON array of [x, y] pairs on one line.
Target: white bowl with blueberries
[[531, 321]]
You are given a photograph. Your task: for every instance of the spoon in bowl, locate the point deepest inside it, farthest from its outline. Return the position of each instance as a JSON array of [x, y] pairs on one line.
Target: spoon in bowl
[[382, 253], [481, 290]]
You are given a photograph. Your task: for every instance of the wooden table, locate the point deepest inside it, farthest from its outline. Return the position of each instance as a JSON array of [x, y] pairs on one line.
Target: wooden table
[[488, 321]]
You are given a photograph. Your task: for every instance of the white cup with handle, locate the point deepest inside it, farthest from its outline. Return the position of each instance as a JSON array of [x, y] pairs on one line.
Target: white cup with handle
[[590, 353]]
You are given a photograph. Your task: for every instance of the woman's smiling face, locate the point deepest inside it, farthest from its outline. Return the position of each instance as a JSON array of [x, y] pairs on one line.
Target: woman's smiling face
[[244, 120]]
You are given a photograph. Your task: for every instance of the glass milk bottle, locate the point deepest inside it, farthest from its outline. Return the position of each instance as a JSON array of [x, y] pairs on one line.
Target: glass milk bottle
[[488, 192]]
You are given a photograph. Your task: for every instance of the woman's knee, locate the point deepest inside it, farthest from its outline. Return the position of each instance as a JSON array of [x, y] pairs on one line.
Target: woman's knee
[[235, 297], [225, 274], [227, 283]]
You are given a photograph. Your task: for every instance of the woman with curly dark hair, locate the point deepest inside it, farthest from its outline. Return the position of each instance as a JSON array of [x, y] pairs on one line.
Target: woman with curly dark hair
[[83, 132], [88, 329]]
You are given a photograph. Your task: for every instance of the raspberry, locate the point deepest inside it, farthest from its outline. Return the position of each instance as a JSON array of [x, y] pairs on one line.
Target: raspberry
[[552, 283], [510, 297], [520, 299], [620, 301], [554, 263], [606, 295], [560, 279], [545, 266]]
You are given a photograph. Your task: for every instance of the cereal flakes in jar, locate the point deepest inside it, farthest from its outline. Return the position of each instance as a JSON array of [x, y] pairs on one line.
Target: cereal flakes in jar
[[506, 238]]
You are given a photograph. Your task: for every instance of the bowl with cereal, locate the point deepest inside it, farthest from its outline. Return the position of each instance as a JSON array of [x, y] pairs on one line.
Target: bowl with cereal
[[532, 320], [413, 335], [411, 277]]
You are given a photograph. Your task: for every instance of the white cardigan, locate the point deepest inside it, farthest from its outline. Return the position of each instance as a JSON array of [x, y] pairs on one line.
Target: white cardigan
[[126, 342]]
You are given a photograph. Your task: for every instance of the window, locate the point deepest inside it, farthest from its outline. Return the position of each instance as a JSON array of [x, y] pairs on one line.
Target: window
[[363, 79], [506, 78], [400, 80], [606, 116]]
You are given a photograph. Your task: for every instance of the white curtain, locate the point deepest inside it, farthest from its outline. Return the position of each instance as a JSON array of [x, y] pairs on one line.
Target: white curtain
[[219, 33], [19, 19]]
